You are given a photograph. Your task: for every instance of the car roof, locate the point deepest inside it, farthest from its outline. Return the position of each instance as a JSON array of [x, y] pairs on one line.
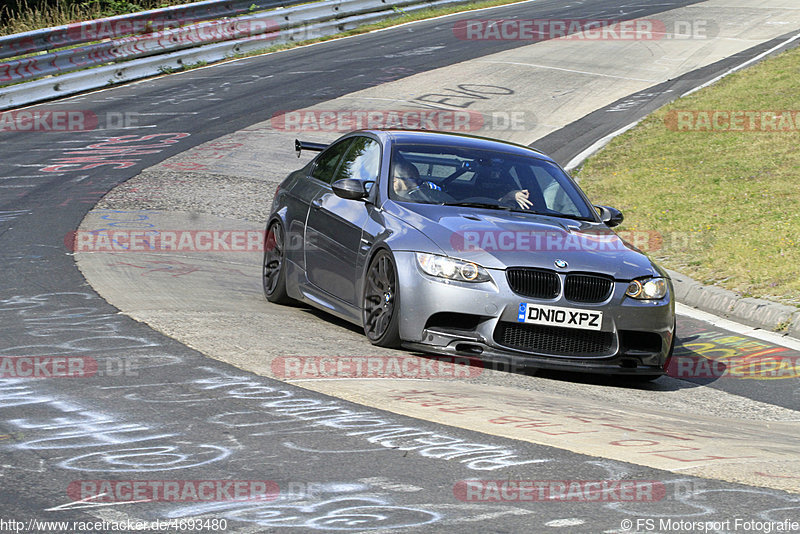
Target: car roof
[[458, 140]]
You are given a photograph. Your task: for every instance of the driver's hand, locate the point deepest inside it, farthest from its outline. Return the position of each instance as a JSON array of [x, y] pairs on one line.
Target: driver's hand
[[521, 197]]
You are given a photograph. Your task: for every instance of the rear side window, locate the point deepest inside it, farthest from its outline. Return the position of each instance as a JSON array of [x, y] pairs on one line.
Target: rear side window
[[328, 160], [362, 160]]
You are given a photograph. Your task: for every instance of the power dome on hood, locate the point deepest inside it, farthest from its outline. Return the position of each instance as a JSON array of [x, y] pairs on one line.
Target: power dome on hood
[[498, 239]]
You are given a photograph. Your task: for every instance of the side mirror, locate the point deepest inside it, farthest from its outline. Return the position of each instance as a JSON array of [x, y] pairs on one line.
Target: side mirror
[[350, 189], [611, 216]]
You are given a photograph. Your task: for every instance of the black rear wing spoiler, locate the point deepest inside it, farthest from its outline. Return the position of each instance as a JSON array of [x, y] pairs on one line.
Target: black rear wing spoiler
[[299, 146]]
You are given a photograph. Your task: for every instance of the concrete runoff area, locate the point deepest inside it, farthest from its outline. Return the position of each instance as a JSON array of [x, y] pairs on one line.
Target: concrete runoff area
[[212, 301], [527, 92]]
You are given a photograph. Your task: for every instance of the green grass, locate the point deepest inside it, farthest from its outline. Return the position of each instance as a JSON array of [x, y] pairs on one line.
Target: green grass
[[47, 13], [726, 202], [25, 15], [183, 67]]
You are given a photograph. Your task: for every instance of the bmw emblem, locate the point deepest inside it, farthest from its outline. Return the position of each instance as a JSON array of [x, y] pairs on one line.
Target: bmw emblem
[[561, 264]]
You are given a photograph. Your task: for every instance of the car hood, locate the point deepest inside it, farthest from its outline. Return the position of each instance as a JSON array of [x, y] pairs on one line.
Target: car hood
[[498, 239]]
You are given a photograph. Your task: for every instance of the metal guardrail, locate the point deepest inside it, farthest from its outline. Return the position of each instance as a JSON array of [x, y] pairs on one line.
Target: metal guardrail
[[133, 23], [73, 59], [64, 72]]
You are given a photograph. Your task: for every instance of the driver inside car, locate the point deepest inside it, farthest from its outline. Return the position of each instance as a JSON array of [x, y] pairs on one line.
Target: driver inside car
[[496, 180], [520, 196], [406, 180]]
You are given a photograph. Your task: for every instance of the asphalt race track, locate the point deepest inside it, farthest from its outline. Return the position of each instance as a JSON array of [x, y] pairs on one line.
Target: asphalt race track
[[332, 455]]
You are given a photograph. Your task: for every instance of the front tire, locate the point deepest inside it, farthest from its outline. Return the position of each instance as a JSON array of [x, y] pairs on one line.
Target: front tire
[[273, 272], [381, 302]]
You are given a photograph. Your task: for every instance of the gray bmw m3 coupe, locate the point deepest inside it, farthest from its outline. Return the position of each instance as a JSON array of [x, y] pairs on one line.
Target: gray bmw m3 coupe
[[461, 245]]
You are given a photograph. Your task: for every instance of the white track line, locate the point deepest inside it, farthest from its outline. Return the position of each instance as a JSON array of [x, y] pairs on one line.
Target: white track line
[[727, 324], [573, 71], [597, 145], [743, 65]]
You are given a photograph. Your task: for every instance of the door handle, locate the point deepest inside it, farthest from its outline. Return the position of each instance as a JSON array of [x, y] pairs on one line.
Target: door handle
[[317, 202]]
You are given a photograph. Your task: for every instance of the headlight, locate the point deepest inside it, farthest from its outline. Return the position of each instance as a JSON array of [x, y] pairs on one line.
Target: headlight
[[444, 267], [650, 289]]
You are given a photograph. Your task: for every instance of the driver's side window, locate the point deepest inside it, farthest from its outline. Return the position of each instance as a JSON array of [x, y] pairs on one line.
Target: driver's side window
[[328, 160], [362, 161]]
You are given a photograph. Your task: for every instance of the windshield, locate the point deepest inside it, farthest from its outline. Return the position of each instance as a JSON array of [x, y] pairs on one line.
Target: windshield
[[435, 174]]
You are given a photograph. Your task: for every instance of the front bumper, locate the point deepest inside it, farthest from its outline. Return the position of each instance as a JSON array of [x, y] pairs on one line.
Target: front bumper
[[467, 319]]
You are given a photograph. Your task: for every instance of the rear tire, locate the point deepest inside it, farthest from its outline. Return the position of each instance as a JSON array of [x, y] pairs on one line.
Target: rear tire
[[381, 302], [273, 271]]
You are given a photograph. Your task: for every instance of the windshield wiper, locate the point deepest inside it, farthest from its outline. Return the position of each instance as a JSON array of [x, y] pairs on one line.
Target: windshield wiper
[[478, 205], [490, 205], [563, 216], [549, 213]]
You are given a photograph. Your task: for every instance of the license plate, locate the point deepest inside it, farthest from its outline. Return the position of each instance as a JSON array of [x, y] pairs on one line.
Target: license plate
[[556, 316]]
